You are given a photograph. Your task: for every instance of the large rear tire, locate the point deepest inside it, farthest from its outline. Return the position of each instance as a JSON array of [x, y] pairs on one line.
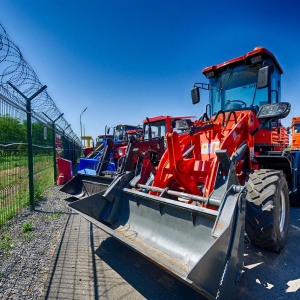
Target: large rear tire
[[267, 209]]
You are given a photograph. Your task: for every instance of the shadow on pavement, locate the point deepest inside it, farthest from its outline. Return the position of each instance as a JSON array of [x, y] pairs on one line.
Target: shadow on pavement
[[147, 278]]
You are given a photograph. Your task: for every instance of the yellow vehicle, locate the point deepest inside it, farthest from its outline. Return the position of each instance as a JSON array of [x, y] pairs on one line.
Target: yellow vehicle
[[88, 149]]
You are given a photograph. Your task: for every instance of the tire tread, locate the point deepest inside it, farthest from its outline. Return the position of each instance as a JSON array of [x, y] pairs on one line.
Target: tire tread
[[262, 198]]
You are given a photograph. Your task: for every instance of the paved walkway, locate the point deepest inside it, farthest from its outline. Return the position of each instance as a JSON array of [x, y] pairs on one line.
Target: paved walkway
[[78, 273], [91, 265]]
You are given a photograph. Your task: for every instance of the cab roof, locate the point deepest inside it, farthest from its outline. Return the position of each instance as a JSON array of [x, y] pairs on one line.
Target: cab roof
[[104, 135], [134, 131], [125, 125], [245, 58], [161, 118]]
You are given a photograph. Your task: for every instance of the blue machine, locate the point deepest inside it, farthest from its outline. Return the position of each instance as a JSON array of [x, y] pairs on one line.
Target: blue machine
[[89, 165]]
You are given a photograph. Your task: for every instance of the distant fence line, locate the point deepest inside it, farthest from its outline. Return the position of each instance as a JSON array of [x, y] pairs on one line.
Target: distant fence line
[[33, 133]]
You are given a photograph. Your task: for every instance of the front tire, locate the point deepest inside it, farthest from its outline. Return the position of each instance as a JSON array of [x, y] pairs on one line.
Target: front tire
[[267, 209]]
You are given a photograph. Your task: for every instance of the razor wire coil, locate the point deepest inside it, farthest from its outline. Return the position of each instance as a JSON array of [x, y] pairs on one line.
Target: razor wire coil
[[16, 70]]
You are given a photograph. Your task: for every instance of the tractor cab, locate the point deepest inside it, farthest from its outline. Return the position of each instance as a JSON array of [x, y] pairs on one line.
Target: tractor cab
[[154, 127], [150, 139], [120, 132], [243, 85], [246, 82], [101, 138], [134, 133], [160, 125]]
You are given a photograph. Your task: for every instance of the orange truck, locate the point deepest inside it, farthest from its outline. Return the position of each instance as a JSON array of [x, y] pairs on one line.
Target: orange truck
[[295, 144]]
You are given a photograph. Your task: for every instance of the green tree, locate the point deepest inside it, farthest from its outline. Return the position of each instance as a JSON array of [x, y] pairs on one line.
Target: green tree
[[12, 130]]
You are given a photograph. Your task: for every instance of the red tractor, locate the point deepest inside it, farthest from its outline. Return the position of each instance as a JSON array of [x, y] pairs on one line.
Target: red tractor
[[133, 134], [226, 173], [149, 141]]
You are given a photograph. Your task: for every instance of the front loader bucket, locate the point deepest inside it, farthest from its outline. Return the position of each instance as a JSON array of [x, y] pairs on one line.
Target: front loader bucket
[[82, 185], [200, 246]]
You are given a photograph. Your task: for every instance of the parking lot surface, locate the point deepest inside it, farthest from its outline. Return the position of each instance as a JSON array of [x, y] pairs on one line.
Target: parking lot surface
[[89, 264]]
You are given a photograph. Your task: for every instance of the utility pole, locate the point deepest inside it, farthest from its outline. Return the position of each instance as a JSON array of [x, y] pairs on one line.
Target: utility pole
[[81, 126]]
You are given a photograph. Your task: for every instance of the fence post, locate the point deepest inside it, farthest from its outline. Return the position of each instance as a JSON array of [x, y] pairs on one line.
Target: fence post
[[29, 140], [66, 141]]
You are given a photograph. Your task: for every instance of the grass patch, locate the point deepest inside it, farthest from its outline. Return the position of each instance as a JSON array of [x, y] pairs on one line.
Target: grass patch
[[27, 227], [5, 244], [27, 237], [55, 215], [17, 195], [52, 216]]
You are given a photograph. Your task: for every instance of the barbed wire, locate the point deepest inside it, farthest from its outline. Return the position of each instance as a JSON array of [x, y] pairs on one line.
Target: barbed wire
[[16, 70]]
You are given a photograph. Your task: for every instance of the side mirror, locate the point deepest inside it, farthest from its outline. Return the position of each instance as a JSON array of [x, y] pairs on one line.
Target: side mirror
[[263, 77], [288, 130], [195, 92], [108, 130]]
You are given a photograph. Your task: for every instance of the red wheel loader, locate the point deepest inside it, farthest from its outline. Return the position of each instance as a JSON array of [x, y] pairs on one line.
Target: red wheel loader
[[227, 174], [141, 152]]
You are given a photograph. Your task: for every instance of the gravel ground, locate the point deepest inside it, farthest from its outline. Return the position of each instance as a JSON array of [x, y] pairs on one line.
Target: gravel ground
[[26, 259], [26, 264]]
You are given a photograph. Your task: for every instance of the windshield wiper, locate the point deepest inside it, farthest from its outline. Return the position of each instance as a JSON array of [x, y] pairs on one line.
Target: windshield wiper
[[221, 86], [254, 96]]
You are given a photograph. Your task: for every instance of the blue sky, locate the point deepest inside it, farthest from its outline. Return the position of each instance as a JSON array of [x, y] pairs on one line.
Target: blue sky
[[127, 60]]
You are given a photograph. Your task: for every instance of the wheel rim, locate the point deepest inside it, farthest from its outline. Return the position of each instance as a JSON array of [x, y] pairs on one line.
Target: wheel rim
[[282, 211]]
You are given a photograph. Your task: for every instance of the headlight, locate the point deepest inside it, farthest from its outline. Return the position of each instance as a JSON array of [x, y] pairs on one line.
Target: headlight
[[183, 124], [275, 111]]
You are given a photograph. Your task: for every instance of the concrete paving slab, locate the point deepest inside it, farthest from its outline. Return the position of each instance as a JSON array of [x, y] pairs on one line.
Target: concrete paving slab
[[92, 265]]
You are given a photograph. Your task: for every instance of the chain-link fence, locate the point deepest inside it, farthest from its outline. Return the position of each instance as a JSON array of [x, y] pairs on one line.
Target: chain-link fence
[[15, 161], [33, 133]]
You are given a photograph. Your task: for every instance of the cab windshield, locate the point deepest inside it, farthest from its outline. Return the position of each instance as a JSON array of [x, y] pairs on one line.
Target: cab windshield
[[120, 130], [158, 129], [235, 89], [99, 139], [296, 128]]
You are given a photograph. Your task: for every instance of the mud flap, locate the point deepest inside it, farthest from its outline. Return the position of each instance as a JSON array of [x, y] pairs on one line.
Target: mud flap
[[200, 246]]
